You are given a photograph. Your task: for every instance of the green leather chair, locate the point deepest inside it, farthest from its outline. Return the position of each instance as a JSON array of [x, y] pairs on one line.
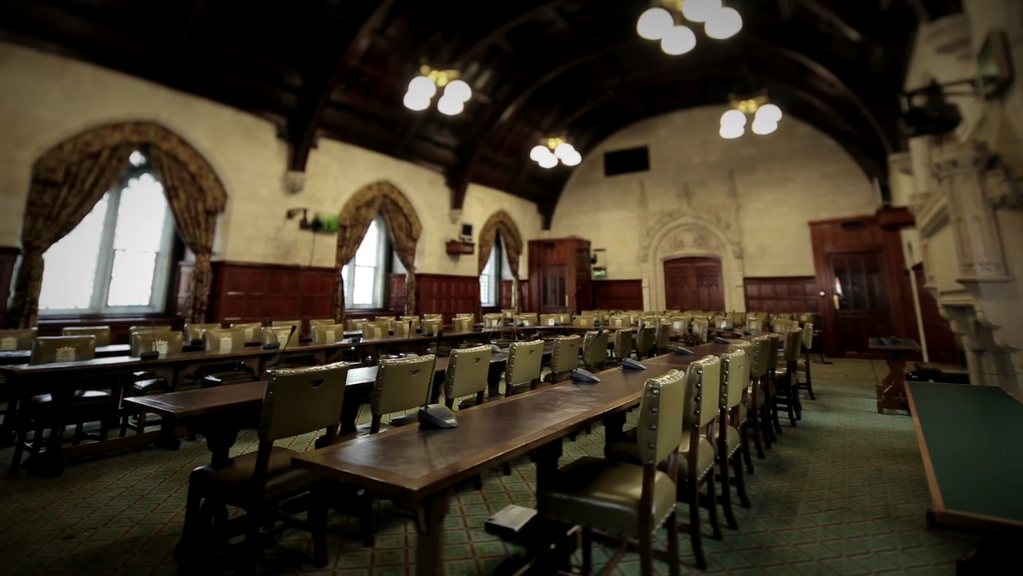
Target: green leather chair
[[327, 333], [619, 321], [646, 337], [700, 329], [595, 350], [627, 500], [376, 329], [584, 321], [431, 325], [786, 377], [549, 319], [412, 321], [623, 344], [402, 384], [772, 386], [525, 363], [756, 406], [662, 337], [252, 331], [288, 323], [296, 401], [467, 374], [12, 340], [741, 417], [194, 331], [564, 358], [102, 333], [731, 431], [803, 365], [462, 324], [149, 382]]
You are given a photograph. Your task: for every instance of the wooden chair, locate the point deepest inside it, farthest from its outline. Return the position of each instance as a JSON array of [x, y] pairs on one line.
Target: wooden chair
[[494, 320], [584, 321], [102, 333], [431, 326], [251, 331], [401, 384], [264, 483], [145, 383], [376, 329], [623, 345], [803, 365], [412, 321], [327, 333], [646, 337], [786, 377], [772, 387], [355, 324], [564, 358], [462, 324], [224, 340], [466, 374], [525, 363], [662, 337], [732, 431], [758, 412], [595, 350], [742, 422], [631, 499]]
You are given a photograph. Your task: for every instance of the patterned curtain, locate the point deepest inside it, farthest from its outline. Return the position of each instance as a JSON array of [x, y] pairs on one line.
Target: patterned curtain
[[501, 223], [60, 197], [403, 224], [71, 177]]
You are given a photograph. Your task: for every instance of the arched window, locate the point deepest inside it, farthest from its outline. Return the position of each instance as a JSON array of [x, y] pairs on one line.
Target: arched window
[[118, 259], [490, 279], [366, 273]]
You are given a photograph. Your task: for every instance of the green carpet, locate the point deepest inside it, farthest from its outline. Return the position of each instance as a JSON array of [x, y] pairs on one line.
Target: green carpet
[[844, 493]]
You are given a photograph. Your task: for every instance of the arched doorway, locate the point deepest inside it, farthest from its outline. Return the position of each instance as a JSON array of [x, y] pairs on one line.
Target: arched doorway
[[693, 284]]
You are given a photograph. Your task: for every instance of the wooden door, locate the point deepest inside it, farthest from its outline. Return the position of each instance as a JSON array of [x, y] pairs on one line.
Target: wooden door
[[941, 341], [860, 301], [693, 284]]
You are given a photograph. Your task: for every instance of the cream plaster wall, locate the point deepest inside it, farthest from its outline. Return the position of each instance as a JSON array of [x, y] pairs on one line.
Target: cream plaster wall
[[46, 99]]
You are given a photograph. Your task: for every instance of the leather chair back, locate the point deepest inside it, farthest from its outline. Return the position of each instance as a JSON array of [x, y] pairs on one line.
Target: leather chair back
[[17, 339], [756, 323], [288, 323], [412, 321], [808, 336], [623, 344], [529, 319], [193, 331], [703, 390], [508, 313], [700, 329], [462, 324], [595, 349], [584, 321], [302, 400], [402, 384], [467, 371], [781, 325], [384, 318], [793, 345], [565, 356], [355, 324], [761, 363], [438, 317], [376, 329], [431, 325], [619, 321], [402, 329], [102, 333], [320, 321], [565, 318], [50, 349], [221, 340], [772, 358], [645, 339], [525, 362], [549, 319], [327, 333], [679, 324], [734, 377], [168, 342], [662, 337], [659, 432], [156, 328], [279, 334], [469, 315], [251, 331], [494, 320]]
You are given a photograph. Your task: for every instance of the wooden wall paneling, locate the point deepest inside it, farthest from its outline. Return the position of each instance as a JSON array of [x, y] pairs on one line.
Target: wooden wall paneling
[[564, 264], [447, 295], [119, 325], [8, 259], [505, 301], [249, 292], [618, 294], [781, 294]]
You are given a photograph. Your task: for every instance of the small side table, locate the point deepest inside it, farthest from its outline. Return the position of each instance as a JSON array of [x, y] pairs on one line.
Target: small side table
[[891, 392]]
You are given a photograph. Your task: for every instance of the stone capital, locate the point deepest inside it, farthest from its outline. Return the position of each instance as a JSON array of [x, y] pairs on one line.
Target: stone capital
[[961, 159]]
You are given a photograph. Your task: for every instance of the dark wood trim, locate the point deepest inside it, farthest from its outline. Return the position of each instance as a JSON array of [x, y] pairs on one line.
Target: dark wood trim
[[8, 260], [893, 218], [864, 218], [618, 294], [272, 266]]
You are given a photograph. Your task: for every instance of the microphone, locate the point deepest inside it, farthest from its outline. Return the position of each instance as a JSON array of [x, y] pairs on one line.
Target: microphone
[[153, 353], [720, 340], [680, 350], [585, 376], [280, 349], [435, 415]]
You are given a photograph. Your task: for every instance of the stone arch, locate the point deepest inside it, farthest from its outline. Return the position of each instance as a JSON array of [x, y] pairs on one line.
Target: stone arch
[[501, 223], [687, 237], [403, 226]]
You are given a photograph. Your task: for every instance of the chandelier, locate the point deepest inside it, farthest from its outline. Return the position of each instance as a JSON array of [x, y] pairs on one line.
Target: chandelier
[[423, 88], [765, 116], [551, 150], [658, 23]]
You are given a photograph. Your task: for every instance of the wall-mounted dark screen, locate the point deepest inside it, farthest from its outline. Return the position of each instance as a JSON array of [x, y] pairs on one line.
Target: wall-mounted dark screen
[[626, 161]]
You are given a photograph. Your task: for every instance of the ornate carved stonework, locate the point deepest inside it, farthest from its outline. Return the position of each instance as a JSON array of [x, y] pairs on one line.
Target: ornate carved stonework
[[691, 237], [727, 225]]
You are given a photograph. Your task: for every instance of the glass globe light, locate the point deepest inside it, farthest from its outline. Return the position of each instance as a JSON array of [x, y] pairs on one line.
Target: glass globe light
[[700, 10], [769, 113], [731, 131], [564, 150], [733, 118], [572, 159], [764, 127], [417, 102], [549, 161], [654, 23], [422, 86], [538, 152], [458, 90], [724, 23], [678, 40], [450, 106]]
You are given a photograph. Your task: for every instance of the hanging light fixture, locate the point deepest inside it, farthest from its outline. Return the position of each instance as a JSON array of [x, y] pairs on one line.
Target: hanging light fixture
[[659, 23], [765, 116], [424, 87], [552, 150]]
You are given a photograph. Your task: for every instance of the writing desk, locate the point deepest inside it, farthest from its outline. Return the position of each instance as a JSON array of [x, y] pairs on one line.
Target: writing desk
[[8, 357]]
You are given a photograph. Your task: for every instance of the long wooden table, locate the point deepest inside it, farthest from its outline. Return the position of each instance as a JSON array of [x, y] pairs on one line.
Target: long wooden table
[[8, 357], [419, 467], [891, 392], [969, 442]]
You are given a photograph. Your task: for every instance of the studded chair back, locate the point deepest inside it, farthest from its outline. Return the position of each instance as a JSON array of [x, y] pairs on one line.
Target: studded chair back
[[288, 323], [221, 340], [703, 390], [102, 333], [11, 340], [431, 325], [467, 371], [412, 321], [402, 328], [50, 349], [494, 320], [463, 324], [327, 333], [700, 330], [808, 336], [302, 400], [280, 334], [525, 362], [565, 356], [376, 329], [762, 352], [193, 331], [527, 319], [679, 324], [793, 345], [661, 410], [645, 339], [772, 359], [662, 337], [252, 331], [169, 342], [402, 383], [355, 324], [595, 349], [754, 323], [623, 344], [734, 377]]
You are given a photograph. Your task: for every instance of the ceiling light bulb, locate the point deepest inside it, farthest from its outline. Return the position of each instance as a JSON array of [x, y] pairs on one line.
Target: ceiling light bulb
[[700, 10], [563, 150], [731, 131], [764, 127], [458, 90], [678, 40], [654, 23], [538, 152], [416, 102], [422, 86], [549, 161], [733, 118], [572, 159], [724, 23], [769, 113], [450, 106]]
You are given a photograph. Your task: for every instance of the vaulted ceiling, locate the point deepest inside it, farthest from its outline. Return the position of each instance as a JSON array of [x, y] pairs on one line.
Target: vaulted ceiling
[[339, 69]]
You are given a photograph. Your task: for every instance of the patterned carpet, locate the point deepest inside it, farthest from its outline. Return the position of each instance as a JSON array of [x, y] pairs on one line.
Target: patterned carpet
[[844, 493]]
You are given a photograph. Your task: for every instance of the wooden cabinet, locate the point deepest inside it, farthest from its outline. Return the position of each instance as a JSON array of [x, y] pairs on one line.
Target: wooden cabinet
[[559, 275]]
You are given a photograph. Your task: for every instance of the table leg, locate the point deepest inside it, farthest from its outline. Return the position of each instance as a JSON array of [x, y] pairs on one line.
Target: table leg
[[52, 461], [221, 431], [547, 457], [168, 440], [9, 428], [891, 393], [430, 513], [614, 425]]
